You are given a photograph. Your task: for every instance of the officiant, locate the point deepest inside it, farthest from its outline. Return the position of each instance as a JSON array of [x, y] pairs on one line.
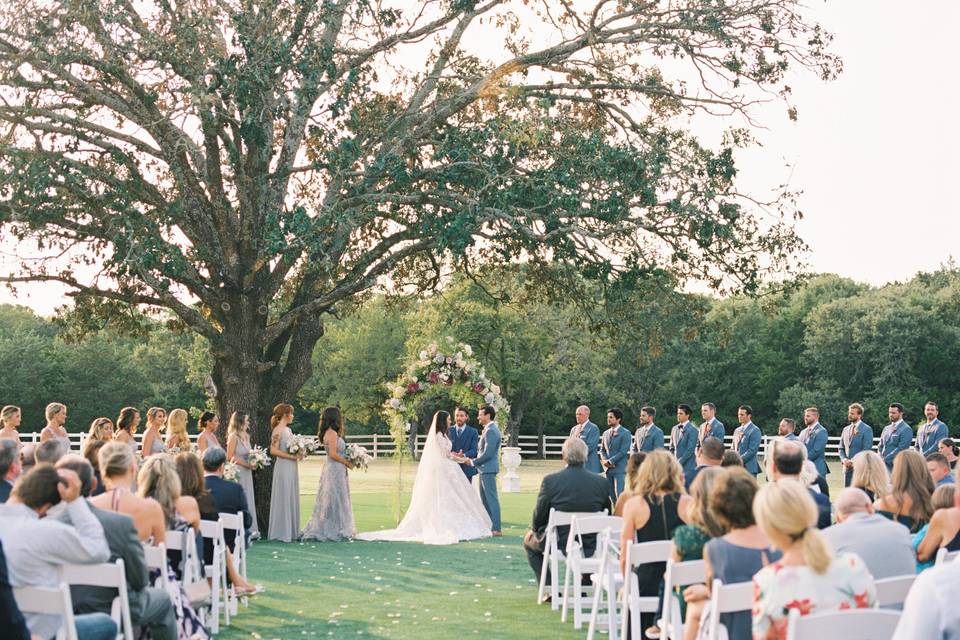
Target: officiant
[[464, 439]]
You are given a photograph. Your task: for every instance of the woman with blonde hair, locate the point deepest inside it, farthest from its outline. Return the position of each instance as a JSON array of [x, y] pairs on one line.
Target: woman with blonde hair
[[910, 492], [100, 429], [870, 474], [238, 448], [118, 468], [177, 438], [809, 577], [152, 440], [633, 466], [10, 416]]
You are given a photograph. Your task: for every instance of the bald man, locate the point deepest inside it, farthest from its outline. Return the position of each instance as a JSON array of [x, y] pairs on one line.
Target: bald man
[[884, 545], [590, 434]]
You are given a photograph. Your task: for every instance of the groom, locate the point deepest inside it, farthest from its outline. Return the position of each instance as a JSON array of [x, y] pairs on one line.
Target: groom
[[464, 439], [487, 464]]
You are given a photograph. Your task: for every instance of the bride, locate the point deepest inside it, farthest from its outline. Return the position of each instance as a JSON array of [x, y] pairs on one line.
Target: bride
[[444, 507]]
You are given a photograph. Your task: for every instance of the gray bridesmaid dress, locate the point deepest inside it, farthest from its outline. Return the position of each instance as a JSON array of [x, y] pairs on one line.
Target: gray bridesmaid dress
[[245, 478], [285, 495], [332, 517]]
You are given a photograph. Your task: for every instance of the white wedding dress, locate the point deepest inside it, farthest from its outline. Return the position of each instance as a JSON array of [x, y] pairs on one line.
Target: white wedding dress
[[444, 507]]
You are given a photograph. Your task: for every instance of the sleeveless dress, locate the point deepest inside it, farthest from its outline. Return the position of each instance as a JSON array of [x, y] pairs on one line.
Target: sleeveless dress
[[663, 521], [332, 517], [245, 478], [156, 446], [211, 443], [732, 563], [284, 495]]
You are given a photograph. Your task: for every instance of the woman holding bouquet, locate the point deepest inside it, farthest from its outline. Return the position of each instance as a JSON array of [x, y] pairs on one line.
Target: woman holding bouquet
[[238, 448], [285, 492], [332, 517]]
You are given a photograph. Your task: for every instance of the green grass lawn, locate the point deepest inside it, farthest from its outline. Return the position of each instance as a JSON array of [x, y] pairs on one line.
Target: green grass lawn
[[401, 590]]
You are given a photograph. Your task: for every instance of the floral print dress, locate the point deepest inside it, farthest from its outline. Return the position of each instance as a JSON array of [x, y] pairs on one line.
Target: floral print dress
[[847, 584]]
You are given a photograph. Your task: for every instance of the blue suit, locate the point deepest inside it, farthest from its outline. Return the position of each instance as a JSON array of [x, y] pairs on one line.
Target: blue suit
[[589, 433], [815, 439], [487, 463], [615, 448], [895, 438], [746, 441], [647, 438], [467, 443], [711, 429], [852, 442], [683, 439], [791, 436], [929, 434], [5, 488]]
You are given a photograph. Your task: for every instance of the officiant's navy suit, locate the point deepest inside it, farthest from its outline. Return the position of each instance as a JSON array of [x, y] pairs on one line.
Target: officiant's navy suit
[[590, 434], [467, 441], [487, 463], [616, 449]]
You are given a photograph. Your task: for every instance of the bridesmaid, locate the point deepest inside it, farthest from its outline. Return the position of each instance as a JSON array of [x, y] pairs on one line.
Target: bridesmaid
[[152, 440], [56, 414], [10, 416], [238, 446], [285, 493], [100, 429], [177, 437], [127, 426], [208, 423], [332, 517]]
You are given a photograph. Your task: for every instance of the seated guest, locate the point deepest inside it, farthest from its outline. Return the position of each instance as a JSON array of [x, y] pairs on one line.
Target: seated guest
[[950, 450], [734, 557], [944, 529], [942, 499], [653, 513], [9, 467], [158, 479], [939, 469], [870, 475], [731, 459], [571, 489], [91, 452], [910, 492], [633, 466], [149, 606], [36, 546], [811, 478], [118, 468], [710, 454], [50, 451], [884, 546], [787, 464], [14, 624], [931, 610], [808, 578], [28, 457]]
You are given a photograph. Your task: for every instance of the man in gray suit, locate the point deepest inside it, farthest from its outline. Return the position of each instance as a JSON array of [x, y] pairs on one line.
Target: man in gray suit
[[590, 434], [149, 607], [487, 463], [885, 546]]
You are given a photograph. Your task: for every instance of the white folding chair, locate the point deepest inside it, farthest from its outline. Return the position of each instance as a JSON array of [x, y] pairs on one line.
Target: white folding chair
[[946, 556], [51, 601], [552, 554], [234, 522], [727, 598], [851, 624], [186, 543], [108, 574], [217, 572], [156, 558], [679, 574], [632, 603], [578, 564], [606, 583], [893, 591]]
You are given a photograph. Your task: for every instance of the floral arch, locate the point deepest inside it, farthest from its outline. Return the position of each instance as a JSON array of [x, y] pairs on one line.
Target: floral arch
[[450, 365]]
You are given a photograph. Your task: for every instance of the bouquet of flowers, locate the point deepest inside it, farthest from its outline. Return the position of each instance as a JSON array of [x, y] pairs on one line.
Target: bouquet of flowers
[[231, 472], [173, 450], [303, 445], [358, 456], [259, 458]]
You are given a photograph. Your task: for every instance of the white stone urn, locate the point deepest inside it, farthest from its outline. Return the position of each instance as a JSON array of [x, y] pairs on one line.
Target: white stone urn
[[511, 462]]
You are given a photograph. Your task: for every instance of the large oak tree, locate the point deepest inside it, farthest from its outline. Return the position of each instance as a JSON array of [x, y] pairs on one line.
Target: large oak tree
[[249, 165]]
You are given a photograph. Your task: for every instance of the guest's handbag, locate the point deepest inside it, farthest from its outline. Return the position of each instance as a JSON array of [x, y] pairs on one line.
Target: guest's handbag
[[198, 593]]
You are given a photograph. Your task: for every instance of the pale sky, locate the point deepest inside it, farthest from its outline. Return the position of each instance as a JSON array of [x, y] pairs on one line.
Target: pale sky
[[875, 152]]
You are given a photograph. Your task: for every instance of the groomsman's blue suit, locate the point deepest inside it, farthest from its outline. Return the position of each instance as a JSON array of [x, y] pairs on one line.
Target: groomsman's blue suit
[[467, 442], [711, 429], [814, 438], [791, 436], [647, 438], [487, 463], [615, 448], [590, 434], [853, 442], [683, 438], [746, 441], [895, 437], [929, 434]]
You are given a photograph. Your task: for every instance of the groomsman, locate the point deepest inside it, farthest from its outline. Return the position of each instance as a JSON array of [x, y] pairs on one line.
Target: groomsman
[[711, 427], [786, 429], [929, 434], [649, 436], [614, 449], [464, 440], [590, 434], [856, 437], [683, 439], [814, 438], [896, 436], [746, 439]]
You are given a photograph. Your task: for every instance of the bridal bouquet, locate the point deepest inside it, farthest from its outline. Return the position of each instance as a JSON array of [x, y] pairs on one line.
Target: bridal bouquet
[[358, 456], [231, 472], [259, 458], [303, 445]]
